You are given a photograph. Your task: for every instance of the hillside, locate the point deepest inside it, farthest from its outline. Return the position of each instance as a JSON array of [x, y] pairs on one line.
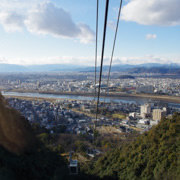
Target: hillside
[[22, 155], [153, 155], [126, 77], [16, 134]]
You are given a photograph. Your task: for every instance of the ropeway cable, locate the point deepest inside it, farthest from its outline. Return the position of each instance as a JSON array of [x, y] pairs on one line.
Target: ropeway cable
[[113, 49], [102, 54], [96, 46]]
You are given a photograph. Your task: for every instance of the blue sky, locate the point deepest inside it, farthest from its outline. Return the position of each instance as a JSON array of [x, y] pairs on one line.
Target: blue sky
[[63, 31]]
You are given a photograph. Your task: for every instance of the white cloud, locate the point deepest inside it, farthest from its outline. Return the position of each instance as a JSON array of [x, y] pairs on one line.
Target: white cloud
[[89, 61], [152, 12], [48, 19], [11, 21], [45, 19], [49, 60], [86, 35], [151, 36], [146, 59], [3, 60], [20, 5]]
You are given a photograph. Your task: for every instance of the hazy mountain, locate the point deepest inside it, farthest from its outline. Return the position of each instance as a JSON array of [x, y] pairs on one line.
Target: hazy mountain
[[12, 68], [80, 68], [160, 70], [39, 68], [54, 67]]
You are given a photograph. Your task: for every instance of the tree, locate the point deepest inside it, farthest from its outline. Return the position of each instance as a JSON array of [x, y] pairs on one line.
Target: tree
[[44, 137], [59, 149], [152, 155], [80, 146]]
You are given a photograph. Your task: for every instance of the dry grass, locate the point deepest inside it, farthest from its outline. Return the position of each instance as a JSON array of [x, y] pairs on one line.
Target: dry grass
[[109, 132]]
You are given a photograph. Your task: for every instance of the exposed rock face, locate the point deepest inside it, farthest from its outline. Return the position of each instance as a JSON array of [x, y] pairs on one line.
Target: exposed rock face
[[16, 134]]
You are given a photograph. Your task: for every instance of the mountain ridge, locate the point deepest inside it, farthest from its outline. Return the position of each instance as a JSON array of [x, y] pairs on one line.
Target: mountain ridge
[[158, 70], [81, 68]]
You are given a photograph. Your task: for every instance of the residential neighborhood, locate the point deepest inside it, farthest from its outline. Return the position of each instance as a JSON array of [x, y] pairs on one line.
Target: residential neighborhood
[[78, 116]]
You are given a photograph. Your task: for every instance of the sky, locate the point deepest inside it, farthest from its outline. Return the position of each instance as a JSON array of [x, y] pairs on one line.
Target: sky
[[63, 32]]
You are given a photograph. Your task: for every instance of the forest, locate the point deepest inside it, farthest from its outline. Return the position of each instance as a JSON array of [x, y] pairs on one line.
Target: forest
[[152, 155]]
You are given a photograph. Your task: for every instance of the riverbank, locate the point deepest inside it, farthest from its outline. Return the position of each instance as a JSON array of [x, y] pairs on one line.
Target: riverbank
[[165, 98], [32, 98]]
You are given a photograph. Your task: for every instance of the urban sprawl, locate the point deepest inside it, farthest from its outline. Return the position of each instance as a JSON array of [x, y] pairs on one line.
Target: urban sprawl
[[84, 82]]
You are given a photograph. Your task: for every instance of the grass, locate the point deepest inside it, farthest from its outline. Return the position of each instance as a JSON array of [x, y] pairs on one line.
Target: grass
[[119, 116]]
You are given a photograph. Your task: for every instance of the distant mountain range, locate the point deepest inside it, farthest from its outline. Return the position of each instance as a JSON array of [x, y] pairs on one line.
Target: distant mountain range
[[142, 68], [159, 70], [37, 68]]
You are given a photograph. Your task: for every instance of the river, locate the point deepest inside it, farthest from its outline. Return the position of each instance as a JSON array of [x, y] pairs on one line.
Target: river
[[77, 97]]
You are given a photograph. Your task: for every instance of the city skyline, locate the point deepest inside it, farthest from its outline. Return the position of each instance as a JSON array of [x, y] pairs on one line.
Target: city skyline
[[63, 32]]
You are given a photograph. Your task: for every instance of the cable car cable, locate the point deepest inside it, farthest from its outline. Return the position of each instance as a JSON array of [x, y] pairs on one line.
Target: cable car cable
[[96, 47], [102, 54], [120, 7]]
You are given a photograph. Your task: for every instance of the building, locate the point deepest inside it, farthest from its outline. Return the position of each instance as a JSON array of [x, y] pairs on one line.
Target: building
[[145, 89], [133, 114], [158, 114], [154, 122], [145, 110], [144, 121], [38, 84]]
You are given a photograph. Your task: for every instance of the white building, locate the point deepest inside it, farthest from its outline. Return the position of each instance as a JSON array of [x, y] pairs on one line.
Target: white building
[[133, 114], [145, 110], [158, 114], [154, 122], [143, 121]]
